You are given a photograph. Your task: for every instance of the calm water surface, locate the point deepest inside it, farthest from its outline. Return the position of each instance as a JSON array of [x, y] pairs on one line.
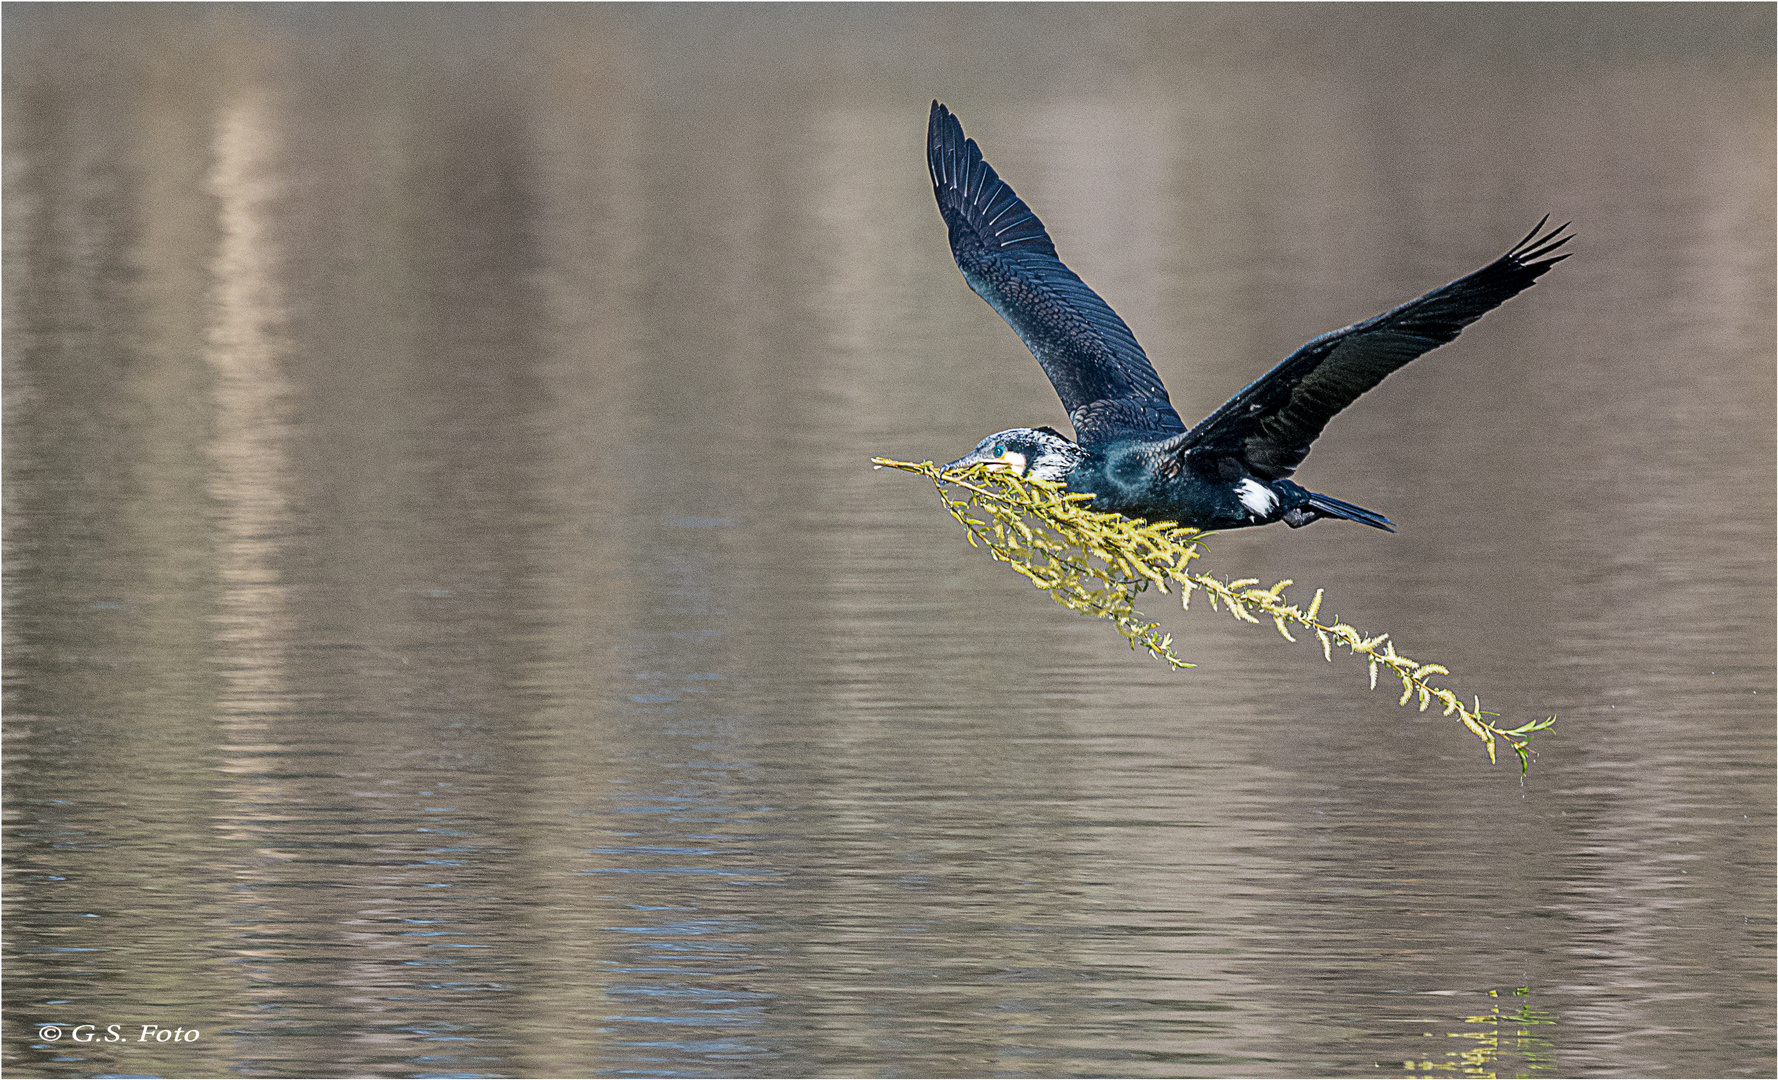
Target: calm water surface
[[452, 628]]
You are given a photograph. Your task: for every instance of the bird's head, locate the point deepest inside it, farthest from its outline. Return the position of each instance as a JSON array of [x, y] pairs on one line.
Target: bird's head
[[1041, 452]]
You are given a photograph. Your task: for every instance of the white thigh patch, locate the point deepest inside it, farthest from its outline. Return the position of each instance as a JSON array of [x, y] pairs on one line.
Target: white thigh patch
[[1259, 499]]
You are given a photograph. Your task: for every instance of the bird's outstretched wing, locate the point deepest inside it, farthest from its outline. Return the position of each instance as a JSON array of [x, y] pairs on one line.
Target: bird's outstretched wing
[[1270, 425], [1102, 376]]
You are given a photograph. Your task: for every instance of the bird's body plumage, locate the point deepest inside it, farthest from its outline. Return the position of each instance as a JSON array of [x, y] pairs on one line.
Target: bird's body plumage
[[1133, 453]]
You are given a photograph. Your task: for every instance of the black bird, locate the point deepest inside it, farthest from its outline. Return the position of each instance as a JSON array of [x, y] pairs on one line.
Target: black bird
[[1133, 453]]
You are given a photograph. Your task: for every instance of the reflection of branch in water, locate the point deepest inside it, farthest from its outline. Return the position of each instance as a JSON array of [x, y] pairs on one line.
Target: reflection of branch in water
[[1047, 533], [1504, 1044]]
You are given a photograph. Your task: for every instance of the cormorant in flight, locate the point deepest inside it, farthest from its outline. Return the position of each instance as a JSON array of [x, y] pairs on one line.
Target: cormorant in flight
[[1133, 453]]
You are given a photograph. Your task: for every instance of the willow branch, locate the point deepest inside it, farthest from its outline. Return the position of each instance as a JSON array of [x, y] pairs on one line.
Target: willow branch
[[1097, 563]]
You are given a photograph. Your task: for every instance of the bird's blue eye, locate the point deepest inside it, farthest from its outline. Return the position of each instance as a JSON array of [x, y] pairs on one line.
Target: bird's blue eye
[[999, 449]]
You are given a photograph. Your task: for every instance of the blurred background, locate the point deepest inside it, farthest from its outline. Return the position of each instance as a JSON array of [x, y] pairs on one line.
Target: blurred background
[[452, 627]]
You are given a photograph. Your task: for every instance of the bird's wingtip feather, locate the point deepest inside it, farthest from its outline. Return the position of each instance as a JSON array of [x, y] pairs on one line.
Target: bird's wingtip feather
[[1537, 244], [1535, 229]]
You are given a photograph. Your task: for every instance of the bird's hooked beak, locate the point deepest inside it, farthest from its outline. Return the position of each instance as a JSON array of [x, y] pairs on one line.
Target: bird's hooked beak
[[1009, 461]]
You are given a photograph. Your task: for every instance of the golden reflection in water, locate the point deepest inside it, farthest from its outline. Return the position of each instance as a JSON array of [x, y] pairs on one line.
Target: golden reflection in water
[[1502, 1043], [249, 477]]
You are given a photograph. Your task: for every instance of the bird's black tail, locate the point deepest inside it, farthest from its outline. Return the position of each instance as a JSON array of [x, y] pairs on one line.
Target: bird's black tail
[[1328, 506]]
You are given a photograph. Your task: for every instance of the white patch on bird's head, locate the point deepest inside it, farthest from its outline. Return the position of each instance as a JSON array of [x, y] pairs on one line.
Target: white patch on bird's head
[[1037, 452], [1259, 499]]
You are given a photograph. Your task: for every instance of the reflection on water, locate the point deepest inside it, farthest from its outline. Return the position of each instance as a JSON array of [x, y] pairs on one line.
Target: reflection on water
[[452, 626], [1502, 1043]]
